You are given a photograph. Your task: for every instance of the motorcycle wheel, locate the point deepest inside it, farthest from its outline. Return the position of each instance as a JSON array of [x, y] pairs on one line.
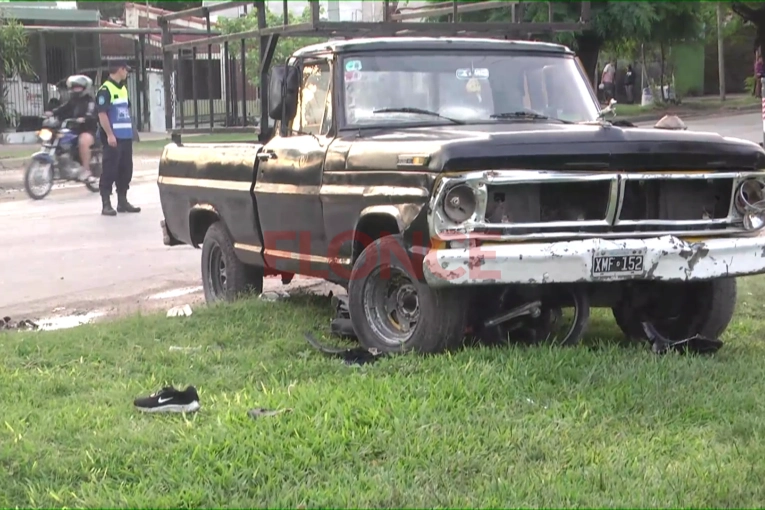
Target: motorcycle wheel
[[38, 179], [95, 170]]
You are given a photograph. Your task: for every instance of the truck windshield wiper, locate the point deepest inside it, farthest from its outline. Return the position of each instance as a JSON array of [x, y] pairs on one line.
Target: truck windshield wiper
[[418, 111], [525, 114]]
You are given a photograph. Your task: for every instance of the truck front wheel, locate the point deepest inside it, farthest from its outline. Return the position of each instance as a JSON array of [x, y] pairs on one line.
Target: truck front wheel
[[224, 276], [392, 311], [678, 310]]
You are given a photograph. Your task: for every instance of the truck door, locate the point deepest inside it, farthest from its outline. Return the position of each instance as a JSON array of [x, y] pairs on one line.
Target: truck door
[[290, 176]]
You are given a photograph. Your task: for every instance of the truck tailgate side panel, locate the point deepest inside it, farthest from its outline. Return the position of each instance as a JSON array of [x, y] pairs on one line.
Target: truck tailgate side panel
[[212, 179]]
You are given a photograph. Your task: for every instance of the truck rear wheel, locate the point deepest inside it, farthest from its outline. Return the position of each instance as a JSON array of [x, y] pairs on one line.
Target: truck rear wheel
[[392, 311], [224, 276], [680, 310]]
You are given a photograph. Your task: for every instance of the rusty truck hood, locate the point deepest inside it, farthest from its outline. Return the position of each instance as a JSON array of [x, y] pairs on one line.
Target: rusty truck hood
[[548, 146]]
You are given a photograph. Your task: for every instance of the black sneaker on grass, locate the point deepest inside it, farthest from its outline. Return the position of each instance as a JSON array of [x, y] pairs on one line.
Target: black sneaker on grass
[[169, 400]]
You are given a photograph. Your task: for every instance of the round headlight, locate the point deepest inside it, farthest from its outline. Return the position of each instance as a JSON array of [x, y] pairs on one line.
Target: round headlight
[[45, 135], [460, 203], [749, 193], [750, 203]]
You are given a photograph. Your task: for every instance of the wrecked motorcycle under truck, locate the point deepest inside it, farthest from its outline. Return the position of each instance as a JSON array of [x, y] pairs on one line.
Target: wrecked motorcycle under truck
[[462, 186]]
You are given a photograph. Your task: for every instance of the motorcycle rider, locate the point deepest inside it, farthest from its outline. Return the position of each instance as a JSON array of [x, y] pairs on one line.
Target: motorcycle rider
[[80, 106]]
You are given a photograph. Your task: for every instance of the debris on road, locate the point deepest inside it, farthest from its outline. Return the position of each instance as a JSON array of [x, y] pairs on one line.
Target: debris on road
[[174, 293], [22, 325], [179, 311], [262, 412]]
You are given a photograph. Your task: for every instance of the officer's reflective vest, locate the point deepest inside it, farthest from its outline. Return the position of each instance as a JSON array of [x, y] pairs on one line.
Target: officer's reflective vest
[[119, 113]]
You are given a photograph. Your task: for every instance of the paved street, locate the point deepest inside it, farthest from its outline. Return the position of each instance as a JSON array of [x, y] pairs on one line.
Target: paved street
[[61, 252]]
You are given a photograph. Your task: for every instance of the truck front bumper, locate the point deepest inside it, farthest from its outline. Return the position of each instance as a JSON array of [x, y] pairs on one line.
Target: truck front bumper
[[666, 258]]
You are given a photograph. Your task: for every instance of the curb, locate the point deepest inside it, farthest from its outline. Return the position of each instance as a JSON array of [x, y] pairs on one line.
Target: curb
[[691, 114], [19, 164]]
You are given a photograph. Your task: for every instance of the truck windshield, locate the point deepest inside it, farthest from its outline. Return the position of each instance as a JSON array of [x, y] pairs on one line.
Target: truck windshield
[[493, 87]]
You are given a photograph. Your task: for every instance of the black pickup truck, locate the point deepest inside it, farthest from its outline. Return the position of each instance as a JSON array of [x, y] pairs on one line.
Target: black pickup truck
[[458, 183]]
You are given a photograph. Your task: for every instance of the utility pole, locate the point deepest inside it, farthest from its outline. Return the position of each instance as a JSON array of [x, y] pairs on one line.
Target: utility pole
[[720, 50]]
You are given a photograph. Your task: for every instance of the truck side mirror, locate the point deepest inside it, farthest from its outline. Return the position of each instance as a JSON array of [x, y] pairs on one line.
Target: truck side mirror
[[283, 85]]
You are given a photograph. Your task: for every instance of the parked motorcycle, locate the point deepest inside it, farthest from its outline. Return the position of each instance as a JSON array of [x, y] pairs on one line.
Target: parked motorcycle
[[59, 159]]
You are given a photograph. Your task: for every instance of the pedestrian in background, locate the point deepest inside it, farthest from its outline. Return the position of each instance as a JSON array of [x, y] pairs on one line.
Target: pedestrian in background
[[116, 135], [758, 73], [607, 79], [629, 84]]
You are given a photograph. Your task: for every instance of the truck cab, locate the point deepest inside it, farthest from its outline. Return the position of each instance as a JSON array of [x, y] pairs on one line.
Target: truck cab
[[461, 184]]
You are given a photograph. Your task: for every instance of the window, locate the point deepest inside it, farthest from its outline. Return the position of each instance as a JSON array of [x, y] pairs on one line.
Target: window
[[314, 100], [465, 86]]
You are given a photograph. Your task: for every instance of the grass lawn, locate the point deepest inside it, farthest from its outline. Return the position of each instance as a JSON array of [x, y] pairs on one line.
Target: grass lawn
[[145, 148], [601, 425], [690, 105], [156, 146]]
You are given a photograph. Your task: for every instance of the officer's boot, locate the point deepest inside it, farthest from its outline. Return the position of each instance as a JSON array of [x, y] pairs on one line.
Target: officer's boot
[[106, 208], [124, 206]]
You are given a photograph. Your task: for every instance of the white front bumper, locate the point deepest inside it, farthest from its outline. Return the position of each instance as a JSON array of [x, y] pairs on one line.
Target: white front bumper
[[666, 258]]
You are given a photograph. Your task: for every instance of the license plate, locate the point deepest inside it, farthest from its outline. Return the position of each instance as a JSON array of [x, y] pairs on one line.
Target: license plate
[[618, 263]]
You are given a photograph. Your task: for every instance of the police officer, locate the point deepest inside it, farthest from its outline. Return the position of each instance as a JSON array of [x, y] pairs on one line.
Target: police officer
[[116, 135]]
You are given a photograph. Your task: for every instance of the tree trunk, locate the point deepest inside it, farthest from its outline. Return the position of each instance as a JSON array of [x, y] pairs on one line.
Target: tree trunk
[[588, 50], [661, 71], [720, 51]]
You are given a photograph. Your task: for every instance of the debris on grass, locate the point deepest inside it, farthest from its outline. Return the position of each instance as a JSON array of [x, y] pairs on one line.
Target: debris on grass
[[351, 356], [178, 348], [261, 412], [273, 295], [180, 311]]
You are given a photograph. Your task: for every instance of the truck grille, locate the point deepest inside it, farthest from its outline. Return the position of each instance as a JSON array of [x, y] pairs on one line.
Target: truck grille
[[532, 204]]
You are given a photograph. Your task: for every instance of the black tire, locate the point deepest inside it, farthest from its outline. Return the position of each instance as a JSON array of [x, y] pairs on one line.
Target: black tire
[[441, 313], [224, 276], [46, 170], [707, 310], [561, 297]]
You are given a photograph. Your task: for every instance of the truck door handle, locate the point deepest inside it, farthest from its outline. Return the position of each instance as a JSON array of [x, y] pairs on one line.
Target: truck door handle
[[266, 155]]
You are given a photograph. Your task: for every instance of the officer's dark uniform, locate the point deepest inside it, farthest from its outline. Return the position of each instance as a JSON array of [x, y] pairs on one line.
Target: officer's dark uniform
[[112, 99]]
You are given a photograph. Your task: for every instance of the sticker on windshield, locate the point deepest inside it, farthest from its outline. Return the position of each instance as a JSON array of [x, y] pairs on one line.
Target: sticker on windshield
[[477, 73], [352, 76], [353, 65]]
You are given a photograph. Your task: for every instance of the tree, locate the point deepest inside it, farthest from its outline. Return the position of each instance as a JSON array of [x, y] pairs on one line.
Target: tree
[[117, 9], [617, 26], [753, 12], [13, 59], [675, 22], [285, 47]]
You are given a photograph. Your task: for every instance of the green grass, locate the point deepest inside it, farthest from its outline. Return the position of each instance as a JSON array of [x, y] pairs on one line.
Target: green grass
[[690, 105], [17, 151], [603, 424], [144, 148], [156, 146]]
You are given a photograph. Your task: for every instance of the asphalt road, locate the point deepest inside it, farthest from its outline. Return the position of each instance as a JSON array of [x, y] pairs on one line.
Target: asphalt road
[[60, 252]]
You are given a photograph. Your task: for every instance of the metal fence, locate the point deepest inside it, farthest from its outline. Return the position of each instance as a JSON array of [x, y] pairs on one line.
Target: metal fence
[[216, 85], [56, 52]]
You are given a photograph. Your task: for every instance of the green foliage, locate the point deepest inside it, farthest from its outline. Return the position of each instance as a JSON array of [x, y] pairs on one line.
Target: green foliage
[[13, 58], [749, 83], [284, 48]]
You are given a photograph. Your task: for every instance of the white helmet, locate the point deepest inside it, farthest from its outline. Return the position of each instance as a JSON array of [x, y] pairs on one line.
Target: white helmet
[[78, 80]]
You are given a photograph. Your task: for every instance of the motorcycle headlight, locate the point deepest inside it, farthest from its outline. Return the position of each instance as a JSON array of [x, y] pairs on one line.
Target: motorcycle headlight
[[45, 135], [460, 203], [750, 203]]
